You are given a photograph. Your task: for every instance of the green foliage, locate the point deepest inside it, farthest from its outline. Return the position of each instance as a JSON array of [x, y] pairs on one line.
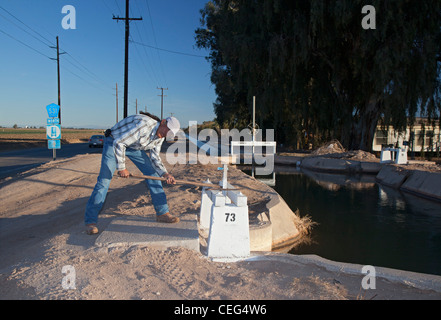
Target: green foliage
[[315, 70]]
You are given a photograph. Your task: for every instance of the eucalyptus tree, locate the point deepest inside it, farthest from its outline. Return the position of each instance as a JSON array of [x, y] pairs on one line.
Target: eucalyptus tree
[[316, 68]]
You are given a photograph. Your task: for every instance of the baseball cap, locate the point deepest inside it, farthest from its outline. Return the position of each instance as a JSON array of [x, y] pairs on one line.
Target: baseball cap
[[173, 124]]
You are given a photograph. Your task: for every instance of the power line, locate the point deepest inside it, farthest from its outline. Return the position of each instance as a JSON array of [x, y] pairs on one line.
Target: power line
[[170, 51], [63, 67], [117, 5], [105, 4], [145, 67], [154, 38], [91, 73], [12, 37], [81, 78], [48, 41], [24, 30], [149, 57]]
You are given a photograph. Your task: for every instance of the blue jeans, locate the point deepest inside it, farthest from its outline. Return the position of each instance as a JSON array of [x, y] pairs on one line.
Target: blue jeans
[[108, 167]]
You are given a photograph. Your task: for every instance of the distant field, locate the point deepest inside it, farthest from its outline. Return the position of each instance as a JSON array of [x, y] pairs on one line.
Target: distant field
[[11, 139], [19, 131]]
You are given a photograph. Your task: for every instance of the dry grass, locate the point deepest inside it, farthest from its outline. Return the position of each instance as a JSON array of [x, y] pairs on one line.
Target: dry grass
[[13, 139], [305, 223]]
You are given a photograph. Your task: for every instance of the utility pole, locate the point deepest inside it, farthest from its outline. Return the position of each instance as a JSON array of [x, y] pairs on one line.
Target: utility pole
[[117, 102], [58, 71], [162, 99], [126, 64], [136, 107]]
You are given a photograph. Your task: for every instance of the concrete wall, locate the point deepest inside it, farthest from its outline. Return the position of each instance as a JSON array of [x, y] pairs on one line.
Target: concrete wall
[[392, 176], [283, 221], [340, 165], [277, 231], [422, 183]]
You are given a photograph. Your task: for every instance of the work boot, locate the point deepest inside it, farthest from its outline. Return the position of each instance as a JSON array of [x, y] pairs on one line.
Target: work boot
[[167, 218], [91, 229]]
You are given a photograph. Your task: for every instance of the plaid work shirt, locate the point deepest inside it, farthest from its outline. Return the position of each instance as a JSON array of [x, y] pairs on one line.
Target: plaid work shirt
[[137, 132]]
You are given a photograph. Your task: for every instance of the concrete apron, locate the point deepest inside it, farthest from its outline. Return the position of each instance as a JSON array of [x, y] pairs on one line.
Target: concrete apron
[[265, 235], [137, 230]]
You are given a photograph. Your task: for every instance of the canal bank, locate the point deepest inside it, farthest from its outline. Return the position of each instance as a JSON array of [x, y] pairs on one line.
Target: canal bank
[[421, 178]]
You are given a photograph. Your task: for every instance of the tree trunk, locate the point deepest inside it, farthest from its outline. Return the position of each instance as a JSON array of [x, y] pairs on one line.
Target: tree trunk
[[363, 131]]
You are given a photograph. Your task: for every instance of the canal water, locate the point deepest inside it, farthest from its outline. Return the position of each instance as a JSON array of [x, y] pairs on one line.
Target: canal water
[[360, 221]]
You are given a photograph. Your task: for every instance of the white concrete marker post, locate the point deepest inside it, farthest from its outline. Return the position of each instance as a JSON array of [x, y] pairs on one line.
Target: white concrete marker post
[[205, 211], [401, 157], [394, 155], [224, 183], [229, 230], [386, 155]]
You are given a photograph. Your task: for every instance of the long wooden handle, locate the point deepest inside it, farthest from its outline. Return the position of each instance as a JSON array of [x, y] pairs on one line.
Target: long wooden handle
[[195, 183]]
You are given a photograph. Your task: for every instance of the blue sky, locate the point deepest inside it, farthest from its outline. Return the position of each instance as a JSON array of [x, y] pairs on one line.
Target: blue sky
[[95, 62]]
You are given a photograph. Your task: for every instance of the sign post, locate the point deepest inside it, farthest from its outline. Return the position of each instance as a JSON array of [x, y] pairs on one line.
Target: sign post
[[53, 129]]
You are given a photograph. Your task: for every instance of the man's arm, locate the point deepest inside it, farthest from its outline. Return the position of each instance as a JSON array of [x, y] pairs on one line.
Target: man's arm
[[156, 160], [159, 166]]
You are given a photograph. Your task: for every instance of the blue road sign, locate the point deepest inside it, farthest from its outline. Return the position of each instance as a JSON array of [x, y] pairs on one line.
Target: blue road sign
[[53, 131], [52, 110], [54, 144], [52, 121]]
